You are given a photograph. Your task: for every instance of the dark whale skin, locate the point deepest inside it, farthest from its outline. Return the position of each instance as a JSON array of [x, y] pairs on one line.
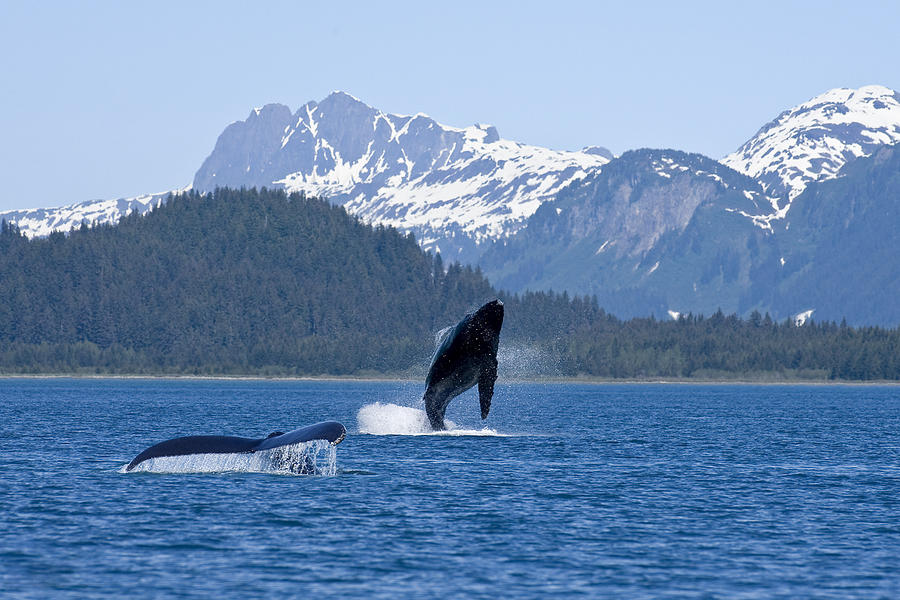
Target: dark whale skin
[[466, 356], [330, 431]]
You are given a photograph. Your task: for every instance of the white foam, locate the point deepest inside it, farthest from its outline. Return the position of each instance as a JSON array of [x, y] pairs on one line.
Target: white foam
[[393, 419], [316, 457]]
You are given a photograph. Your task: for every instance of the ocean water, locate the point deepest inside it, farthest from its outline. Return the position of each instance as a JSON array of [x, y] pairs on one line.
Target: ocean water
[[633, 491]]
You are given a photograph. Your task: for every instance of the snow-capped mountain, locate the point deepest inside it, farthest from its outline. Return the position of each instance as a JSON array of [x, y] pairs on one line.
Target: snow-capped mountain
[[812, 141], [38, 222], [454, 188]]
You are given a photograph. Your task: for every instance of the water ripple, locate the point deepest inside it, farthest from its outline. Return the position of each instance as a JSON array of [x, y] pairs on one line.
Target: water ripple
[[603, 491]]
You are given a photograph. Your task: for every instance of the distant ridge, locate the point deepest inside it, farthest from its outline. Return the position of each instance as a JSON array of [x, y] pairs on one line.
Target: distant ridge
[[40, 222]]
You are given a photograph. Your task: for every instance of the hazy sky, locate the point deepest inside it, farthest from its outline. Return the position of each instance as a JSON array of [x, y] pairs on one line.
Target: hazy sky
[[113, 99]]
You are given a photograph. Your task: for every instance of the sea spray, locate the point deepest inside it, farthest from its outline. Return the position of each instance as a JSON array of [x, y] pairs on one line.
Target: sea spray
[[524, 362]]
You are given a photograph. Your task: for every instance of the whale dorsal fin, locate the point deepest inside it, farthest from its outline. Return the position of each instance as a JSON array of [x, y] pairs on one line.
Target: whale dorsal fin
[[274, 433]]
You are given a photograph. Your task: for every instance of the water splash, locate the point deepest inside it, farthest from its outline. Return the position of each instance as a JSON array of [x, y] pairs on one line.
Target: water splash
[[393, 419], [317, 457]]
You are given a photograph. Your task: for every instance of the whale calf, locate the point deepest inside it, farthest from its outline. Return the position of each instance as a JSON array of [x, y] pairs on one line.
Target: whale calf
[[466, 355], [330, 431]]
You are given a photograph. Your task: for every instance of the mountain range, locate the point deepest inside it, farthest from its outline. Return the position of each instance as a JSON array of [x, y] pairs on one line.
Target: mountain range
[[803, 205]]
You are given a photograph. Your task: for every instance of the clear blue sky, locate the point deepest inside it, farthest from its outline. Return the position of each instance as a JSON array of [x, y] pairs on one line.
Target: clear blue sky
[[112, 99]]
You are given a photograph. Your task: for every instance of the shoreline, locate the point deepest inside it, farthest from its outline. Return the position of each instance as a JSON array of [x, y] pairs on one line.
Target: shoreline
[[411, 378]]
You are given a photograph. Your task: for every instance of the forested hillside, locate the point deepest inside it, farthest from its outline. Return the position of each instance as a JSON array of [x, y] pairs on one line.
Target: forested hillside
[[265, 283], [727, 347], [840, 245], [241, 281]]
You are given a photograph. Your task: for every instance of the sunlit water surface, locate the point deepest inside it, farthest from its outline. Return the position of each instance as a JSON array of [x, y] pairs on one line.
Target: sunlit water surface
[[637, 491]]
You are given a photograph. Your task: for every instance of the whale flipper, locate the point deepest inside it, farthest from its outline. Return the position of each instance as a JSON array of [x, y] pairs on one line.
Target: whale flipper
[[466, 355], [486, 388]]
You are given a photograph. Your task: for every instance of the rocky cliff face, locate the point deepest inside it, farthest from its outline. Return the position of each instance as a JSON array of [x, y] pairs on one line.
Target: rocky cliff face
[[656, 230]]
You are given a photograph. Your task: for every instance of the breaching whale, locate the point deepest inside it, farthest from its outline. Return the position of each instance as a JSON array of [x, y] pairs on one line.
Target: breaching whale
[[466, 354], [330, 431]]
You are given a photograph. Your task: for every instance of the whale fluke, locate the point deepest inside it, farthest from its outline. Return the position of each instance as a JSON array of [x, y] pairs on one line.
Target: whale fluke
[[330, 431]]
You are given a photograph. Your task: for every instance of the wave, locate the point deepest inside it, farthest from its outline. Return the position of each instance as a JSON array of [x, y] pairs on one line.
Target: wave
[[317, 457], [393, 419]]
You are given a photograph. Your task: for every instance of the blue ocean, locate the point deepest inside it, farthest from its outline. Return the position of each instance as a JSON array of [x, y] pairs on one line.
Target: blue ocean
[[593, 490]]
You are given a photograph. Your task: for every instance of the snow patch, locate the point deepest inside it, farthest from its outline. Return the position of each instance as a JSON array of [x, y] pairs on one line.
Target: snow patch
[[800, 319]]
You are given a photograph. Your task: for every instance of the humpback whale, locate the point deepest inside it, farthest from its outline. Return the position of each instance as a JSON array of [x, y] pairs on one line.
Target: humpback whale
[[466, 355], [330, 431]]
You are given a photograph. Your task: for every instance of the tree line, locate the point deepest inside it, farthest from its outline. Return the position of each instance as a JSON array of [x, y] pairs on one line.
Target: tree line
[[268, 283]]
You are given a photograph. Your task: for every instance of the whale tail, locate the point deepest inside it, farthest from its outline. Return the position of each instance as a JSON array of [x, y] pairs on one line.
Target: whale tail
[[329, 431]]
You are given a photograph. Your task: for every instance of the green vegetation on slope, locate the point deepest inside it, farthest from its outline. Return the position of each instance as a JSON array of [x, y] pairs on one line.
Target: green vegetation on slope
[[260, 282], [239, 281], [725, 347], [841, 247]]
